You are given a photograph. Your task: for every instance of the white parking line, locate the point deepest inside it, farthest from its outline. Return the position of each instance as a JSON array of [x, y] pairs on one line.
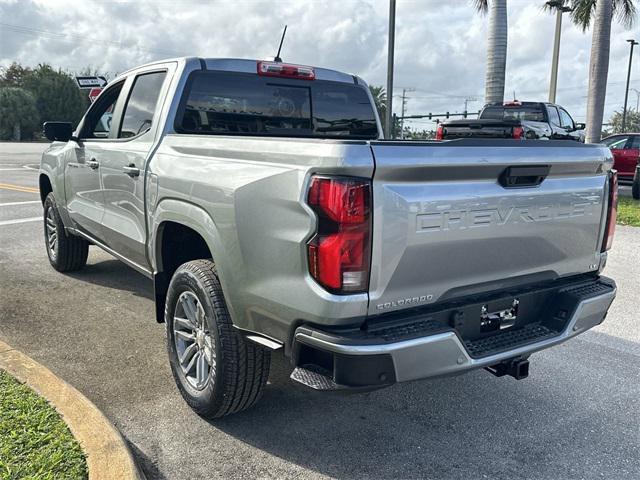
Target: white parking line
[[20, 220], [18, 169], [9, 204]]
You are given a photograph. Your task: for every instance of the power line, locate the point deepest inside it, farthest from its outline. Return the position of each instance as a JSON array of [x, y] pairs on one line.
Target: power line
[[68, 37]]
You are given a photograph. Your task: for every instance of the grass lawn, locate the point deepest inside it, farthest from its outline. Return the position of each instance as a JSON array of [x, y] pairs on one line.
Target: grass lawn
[[34, 441], [629, 212]]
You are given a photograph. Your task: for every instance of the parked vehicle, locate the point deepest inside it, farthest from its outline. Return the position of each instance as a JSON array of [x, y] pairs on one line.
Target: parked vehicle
[[261, 201], [517, 120], [625, 148]]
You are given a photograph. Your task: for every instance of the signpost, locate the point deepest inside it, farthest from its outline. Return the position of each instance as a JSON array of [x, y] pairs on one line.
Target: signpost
[[87, 83]]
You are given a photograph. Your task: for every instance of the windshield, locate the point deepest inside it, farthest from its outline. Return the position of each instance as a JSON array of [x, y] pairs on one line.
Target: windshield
[[245, 104], [532, 113]]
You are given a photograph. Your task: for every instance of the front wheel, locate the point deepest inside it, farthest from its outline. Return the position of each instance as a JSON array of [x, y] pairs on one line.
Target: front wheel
[[217, 371], [66, 252]]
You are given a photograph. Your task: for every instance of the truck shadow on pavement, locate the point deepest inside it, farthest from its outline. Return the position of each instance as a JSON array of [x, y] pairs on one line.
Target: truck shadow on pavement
[[469, 426], [112, 273]]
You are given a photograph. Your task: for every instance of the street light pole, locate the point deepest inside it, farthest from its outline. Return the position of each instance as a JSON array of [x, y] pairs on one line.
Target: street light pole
[[553, 83], [392, 33], [626, 92]]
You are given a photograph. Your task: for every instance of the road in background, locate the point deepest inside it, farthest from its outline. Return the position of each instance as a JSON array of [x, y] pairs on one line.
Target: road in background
[[576, 416]]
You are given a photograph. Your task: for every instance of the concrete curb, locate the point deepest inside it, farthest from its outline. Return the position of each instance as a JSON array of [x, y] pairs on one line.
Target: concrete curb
[[108, 457]]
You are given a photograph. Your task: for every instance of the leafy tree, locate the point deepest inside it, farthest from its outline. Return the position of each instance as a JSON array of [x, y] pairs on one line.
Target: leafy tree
[[14, 75], [496, 48], [632, 123], [18, 114], [56, 93], [601, 14], [380, 99]]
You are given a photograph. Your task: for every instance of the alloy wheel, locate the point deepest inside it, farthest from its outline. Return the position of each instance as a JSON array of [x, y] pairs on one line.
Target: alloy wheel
[[194, 343]]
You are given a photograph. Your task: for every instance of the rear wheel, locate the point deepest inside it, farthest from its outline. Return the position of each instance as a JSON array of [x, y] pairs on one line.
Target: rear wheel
[[66, 252], [217, 371]]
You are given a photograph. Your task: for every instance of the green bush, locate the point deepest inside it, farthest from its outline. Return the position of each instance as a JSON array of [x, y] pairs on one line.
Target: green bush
[[19, 117]]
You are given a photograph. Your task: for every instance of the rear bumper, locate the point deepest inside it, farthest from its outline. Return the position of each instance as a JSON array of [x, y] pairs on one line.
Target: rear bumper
[[362, 364]]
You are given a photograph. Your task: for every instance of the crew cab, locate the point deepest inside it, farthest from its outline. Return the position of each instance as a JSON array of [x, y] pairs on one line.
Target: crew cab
[[263, 204], [625, 148], [517, 120]]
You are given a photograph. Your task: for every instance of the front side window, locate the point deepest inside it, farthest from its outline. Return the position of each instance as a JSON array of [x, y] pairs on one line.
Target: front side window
[[138, 113], [98, 122], [228, 103]]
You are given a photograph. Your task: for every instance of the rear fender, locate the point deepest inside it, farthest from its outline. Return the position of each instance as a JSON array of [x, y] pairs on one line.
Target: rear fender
[[195, 218]]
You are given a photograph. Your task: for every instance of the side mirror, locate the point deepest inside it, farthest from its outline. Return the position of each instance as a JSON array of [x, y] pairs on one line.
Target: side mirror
[[580, 126], [60, 131]]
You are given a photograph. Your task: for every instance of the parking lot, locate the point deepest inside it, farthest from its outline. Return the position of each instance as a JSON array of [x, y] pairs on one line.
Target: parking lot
[[576, 416]]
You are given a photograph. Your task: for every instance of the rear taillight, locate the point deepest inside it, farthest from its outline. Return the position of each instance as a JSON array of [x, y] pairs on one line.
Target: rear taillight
[[287, 70], [340, 252], [439, 132], [517, 133], [612, 211]]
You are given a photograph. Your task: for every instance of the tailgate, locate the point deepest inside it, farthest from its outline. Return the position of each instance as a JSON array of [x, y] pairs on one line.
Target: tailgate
[[450, 220]]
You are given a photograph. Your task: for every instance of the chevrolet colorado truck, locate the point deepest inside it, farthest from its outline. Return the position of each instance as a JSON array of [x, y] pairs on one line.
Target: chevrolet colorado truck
[[516, 120], [260, 200]]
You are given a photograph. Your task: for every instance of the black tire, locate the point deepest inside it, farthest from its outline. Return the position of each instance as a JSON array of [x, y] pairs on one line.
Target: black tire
[[70, 251], [635, 189], [236, 380]]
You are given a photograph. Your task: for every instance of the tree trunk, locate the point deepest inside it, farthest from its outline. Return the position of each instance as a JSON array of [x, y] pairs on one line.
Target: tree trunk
[[496, 51], [16, 132], [598, 70]]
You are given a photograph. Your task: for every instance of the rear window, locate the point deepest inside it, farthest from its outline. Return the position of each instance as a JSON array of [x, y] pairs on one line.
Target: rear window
[[226, 103], [531, 113]]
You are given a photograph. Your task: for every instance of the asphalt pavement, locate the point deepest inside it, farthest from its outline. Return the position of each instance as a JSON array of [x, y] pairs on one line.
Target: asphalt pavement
[[575, 417]]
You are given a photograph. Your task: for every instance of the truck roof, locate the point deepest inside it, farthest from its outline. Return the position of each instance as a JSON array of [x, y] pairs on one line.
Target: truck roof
[[244, 65]]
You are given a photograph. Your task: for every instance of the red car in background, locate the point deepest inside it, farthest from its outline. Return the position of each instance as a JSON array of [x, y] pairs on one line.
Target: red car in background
[[626, 154]]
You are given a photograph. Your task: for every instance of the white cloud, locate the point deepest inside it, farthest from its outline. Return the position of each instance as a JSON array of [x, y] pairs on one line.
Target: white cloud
[[440, 46]]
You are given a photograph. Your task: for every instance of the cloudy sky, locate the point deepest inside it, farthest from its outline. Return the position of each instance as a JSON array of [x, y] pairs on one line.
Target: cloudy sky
[[440, 45]]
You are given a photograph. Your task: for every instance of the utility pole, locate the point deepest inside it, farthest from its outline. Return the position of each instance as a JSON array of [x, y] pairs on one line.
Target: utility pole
[[392, 34], [637, 99], [404, 103], [626, 92], [553, 83], [466, 102]]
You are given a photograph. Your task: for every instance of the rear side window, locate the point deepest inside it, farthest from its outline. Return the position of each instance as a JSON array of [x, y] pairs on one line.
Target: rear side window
[[616, 143], [227, 103], [141, 105], [554, 117], [635, 142], [532, 113], [565, 119]]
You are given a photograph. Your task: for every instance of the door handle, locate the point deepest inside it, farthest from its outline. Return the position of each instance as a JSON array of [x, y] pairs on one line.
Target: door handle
[[131, 170], [93, 164]]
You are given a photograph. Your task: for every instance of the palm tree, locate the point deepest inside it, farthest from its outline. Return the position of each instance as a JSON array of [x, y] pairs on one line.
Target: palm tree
[[601, 12], [380, 99], [496, 48]]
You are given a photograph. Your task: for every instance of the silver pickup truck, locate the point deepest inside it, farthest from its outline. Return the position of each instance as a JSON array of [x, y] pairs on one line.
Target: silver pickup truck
[[270, 215]]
